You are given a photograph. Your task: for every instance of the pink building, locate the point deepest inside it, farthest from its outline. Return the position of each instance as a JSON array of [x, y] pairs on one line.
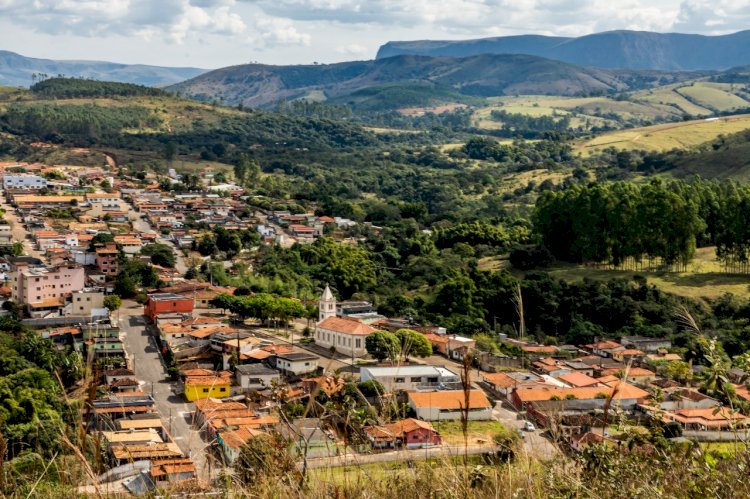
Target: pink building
[[46, 289]]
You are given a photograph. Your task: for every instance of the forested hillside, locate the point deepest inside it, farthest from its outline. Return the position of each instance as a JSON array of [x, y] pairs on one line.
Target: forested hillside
[[411, 80]]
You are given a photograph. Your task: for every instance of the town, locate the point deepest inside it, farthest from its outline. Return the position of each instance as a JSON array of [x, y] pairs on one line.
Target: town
[[186, 373]]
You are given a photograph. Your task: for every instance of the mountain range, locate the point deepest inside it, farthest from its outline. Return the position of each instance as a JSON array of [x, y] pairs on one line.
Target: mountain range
[[611, 49], [17, 70], [410, 80]]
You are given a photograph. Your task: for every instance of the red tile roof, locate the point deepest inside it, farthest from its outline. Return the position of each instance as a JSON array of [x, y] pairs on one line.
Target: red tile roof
[[450, 400], [346, 325]]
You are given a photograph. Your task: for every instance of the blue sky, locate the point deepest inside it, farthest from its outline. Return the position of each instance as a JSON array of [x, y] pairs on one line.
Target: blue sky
[[216, 33]]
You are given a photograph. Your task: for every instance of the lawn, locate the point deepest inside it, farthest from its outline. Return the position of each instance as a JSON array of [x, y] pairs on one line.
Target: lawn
[[704, 278]]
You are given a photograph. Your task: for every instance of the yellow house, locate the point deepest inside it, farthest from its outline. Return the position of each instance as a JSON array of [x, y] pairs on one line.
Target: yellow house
[[202, 387]]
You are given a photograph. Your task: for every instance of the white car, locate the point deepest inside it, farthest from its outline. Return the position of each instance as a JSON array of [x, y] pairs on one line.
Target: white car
[[529, 426]]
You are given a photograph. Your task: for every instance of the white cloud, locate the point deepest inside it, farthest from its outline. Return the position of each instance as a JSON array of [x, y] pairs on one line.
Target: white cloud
[[222, 32], [275, 31], [353, 49]]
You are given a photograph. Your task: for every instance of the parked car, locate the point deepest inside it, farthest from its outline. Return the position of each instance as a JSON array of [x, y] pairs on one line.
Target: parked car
[[529, 426]]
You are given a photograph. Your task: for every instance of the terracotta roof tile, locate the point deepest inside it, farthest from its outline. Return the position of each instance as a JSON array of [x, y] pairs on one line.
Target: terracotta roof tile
[[451, 399]]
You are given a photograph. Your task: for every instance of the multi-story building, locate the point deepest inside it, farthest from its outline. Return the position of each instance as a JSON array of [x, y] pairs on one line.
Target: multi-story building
[[107, 259], [167, 303], [24, 182], [44, 288]]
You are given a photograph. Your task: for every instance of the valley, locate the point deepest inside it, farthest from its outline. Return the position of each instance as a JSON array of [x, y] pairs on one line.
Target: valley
[[509, 267]]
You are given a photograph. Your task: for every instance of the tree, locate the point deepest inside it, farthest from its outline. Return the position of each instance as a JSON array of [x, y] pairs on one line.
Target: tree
[[112, 302], [382, 345], [228, 241], [413, 343], [101, 238], [160, 254], [207, 245]]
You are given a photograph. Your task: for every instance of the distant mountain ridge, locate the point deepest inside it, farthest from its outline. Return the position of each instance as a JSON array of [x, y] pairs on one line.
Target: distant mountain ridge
[[610, 49], [16, 71], [410, 80]]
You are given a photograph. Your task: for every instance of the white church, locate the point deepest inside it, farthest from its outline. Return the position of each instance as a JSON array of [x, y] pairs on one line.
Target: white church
[[345, 334]]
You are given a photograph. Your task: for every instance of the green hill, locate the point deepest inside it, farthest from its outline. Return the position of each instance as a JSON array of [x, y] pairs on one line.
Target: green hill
[[388, 83], [141, 123]]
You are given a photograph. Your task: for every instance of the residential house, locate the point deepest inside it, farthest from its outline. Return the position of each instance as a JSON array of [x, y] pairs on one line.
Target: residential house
[[217, 385], [167, 303], [450, 405], [645, 344], [256, 376], [579, 399], [504, 383], [628, 354], [578, 380], [638, 375], [452, 346], [713, 418], [87, 302], [410, 378], [604, 348], [411, 433], [296, 363], [231, 442], [107, 259]]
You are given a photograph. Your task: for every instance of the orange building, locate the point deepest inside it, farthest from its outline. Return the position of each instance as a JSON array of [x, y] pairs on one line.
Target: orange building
[[167, 303]]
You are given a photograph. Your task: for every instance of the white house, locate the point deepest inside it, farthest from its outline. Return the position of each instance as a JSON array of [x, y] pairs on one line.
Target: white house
[[296, 363], [409, 378], [256, 376]]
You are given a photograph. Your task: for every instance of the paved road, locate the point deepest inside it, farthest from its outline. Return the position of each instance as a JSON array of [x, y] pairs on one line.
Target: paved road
[[176, 415], [444, 451], [141, 225], [18, 230], [534, 443]]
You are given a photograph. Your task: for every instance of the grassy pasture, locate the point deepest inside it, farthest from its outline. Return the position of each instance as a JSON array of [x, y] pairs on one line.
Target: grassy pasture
[[668, 96], [667, 136], [703, 280], [713, 97]]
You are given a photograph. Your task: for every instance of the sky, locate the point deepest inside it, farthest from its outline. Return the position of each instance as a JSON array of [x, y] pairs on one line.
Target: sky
[[216, 33]]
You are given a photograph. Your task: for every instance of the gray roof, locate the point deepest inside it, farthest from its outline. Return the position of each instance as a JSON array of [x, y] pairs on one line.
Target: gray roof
[[256, 369], [295, 356], [408, 371]]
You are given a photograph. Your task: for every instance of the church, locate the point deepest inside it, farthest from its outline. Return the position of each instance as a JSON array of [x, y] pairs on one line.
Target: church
[[345, 334]]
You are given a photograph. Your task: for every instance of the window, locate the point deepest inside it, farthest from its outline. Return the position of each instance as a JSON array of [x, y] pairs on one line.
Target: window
[[358, 343], [78, 299], [398, 380], [205, 390], [416, 379], [223, 389], [432, 380]]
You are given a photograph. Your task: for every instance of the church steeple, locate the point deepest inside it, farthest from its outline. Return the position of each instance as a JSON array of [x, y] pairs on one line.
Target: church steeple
[[327, 305]]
